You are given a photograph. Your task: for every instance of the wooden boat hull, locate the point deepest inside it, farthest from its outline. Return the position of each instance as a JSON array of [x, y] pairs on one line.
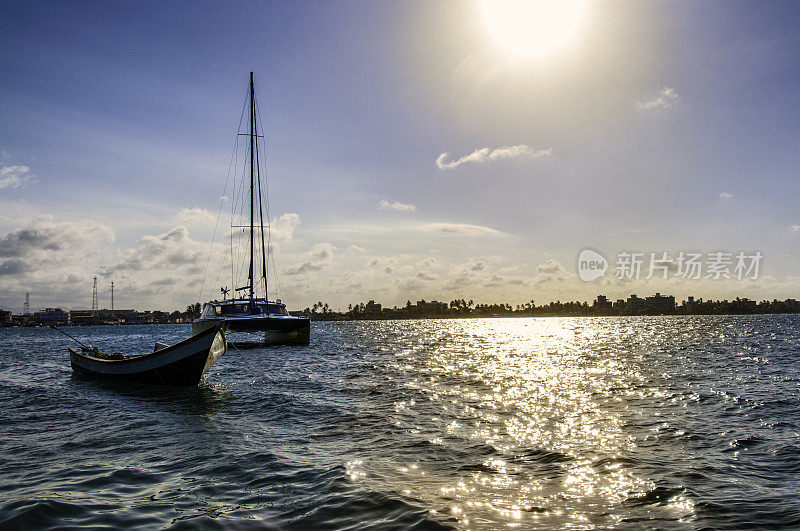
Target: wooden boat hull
[[181, 364], [277, 329]]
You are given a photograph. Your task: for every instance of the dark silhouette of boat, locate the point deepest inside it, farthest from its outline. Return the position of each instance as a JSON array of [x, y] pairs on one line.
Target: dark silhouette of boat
[[256, 316], [250, 313], [181, 364]]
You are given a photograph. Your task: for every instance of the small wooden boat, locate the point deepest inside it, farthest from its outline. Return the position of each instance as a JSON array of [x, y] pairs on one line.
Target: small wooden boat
[[181, 364]]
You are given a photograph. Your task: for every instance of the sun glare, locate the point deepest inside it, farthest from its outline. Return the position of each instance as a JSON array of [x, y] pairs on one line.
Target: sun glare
[[532, 28]]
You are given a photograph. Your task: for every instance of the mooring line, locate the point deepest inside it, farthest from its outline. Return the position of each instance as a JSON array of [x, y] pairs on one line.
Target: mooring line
[[244, 358]]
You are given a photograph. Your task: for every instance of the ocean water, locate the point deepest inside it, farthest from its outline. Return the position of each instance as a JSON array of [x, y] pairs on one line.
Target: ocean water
[[658, 422]]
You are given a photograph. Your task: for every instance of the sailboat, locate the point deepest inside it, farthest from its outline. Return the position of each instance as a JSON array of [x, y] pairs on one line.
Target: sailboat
[[250, 313]]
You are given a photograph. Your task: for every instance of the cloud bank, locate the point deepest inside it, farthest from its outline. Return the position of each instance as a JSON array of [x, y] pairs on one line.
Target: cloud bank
[[486, 154], [43, 236], [169, 251]]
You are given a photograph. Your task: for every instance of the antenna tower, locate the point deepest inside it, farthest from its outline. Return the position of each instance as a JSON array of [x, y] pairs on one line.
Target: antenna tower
[[112, 295], [27, 306], [94, 296]]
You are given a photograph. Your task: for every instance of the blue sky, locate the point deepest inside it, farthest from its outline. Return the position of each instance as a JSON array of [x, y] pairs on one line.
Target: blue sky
[[660, 126]]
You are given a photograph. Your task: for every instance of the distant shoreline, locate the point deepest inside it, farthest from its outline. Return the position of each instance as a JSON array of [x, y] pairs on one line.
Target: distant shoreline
[[416, 318], [317, 318], [653, 305]]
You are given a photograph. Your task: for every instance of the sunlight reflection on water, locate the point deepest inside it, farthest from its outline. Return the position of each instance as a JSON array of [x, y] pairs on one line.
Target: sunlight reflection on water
[[546, 400]]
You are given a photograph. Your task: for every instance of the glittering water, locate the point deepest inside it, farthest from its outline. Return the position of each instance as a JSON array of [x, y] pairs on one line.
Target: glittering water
[[588, 422]]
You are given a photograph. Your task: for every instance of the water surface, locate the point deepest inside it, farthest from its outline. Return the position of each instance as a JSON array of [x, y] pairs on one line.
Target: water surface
[[669, 422]]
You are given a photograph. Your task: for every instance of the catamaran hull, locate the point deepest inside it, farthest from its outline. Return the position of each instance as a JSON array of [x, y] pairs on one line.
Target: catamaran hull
[[181, 364], [277, 330], [295, 337]]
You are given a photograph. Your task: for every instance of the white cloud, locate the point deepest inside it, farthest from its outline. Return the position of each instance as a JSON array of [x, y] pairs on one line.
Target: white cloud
[[478, 266], [282, 229], [794, 228], [14, 176], [422, 275], [387, 264], [463, 229], [356, 249], [486, 154], [194, 216], [551, 270], [410, 285], [48, 259], [429, 262], [551, 267], [725, 196], [320, 257], [495, 281], [43, 237], [169, 251], [396, 205], [666, 97]]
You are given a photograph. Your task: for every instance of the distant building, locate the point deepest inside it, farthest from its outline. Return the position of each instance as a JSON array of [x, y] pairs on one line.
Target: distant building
[[635, 303], [372, 307], [52, 316], [25, 319], [144, 317], [117, 316], [127, 316], [83, 317], [660, 303], [161, 317], [602, 303], [5, 317]]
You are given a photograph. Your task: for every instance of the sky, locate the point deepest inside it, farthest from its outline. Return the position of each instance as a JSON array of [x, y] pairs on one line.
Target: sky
[[413, 150]]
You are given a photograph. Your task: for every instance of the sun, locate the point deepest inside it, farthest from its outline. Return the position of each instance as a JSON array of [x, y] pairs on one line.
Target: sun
[[532, 28]]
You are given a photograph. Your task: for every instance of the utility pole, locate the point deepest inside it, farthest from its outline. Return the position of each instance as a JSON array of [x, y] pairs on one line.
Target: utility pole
[[112, 295], [95, 307], [27, 307]]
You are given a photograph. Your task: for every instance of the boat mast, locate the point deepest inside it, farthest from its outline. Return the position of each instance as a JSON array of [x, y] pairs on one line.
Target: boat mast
[[252, 160], [261, 220]]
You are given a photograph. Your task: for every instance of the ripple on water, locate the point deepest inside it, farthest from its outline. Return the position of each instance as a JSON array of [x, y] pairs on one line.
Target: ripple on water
[[552, 423]]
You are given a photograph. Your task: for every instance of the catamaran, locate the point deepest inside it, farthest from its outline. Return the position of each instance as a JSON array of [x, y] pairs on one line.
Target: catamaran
[[251, 313]]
